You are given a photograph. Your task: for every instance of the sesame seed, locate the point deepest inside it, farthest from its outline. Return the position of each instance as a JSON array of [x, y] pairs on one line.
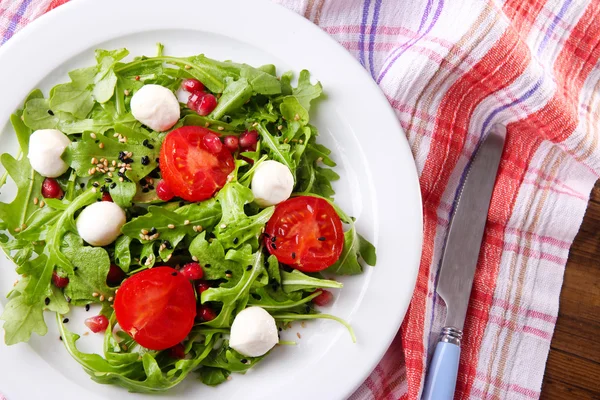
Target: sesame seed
[[229, 378], [94, 160], [110, 174], [126, 92], [296, 117], [114, 162], [110, 299], [86, 333], [186, 222], [187, 67], [285, 140], [195, 258], [116, 135], [168, 257], [142, 236], [207, 124], [300, 141], [35, 201], [299, 335], [15, 283], [222, 226], [17, 229], [121, 179], [319, 159], [220, 128], [255, 124], [42, 204], [94, 294], [93, 135], [101, 297], [93, 171], [171, 226], [303, 324], [105, 162], [144, 231], [122, 170], [94, 189], [101, 145], [280, 127], [24, 226]]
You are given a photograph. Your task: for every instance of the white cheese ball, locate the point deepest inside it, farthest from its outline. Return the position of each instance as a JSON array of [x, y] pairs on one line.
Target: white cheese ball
[[45, 148], [253, 332], [272, 183], [156, 107], [100, 223]]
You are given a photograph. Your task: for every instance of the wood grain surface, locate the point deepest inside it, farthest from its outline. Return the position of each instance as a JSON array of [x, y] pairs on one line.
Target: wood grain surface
[[573, 369]]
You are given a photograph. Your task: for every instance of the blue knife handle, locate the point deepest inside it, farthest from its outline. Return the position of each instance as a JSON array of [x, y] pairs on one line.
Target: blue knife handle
[[443, 369]]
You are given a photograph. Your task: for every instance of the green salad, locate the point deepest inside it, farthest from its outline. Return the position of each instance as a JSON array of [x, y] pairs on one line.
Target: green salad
[[189, 198]]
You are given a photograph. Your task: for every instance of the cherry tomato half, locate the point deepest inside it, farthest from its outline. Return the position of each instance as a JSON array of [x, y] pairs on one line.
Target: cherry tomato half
[[156, 307], [190, 169], [305, 233]]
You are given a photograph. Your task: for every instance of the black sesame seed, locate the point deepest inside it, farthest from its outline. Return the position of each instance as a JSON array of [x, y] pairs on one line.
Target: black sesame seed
[[129, 161], [228, 272], [68, 299], [279, 329], [87, 307], [122, 175], [168, 245], [206, 265], [96, 141], [153, 231], [181, 203], [150, 146], [113, 185], [244, 361], [174, 273], [273, 246], [95, 184], [235, 240], [103, 189], [249, 267], [82, 185], [47, 301], [75, 269], [307, 308], [60, 338], [154, 174], [293, 256], [143, 182], [122, 155], [107, 180], [145, 190], [66, 320], [273, 239], [145, 142], [51, 112], [158, 160], [322, 239], [151, 187]]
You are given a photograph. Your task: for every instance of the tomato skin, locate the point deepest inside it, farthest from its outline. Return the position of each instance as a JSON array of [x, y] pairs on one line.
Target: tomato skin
[[156, 307], [305, 233], [190, 169]]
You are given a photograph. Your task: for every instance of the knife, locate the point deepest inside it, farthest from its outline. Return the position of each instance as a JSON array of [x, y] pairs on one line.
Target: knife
[[459, 261]]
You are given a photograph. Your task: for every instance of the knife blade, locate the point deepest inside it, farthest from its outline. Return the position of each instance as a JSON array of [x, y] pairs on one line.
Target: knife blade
[[459, 262]]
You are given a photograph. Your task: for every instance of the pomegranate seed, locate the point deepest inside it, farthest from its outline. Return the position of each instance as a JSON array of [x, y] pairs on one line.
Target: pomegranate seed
[[51, 189], [248, 160], [115, 275], [205, 313], [59, 281], [202, 287], [107, 197], [248, 139], [163, 191], [194, 100], [192, 271], [99, 323], [323, 299], [177, 352], [213, 143], [192, 85], [207, 104], [232, 143]]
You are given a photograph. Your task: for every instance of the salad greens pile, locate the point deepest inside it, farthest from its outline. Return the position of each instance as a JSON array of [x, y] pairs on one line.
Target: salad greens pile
[[40, 237]]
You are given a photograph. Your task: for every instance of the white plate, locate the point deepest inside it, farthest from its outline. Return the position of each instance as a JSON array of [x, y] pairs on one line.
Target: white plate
[[379, 184]]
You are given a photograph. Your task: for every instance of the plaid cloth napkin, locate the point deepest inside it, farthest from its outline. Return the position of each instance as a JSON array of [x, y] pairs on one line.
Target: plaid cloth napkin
[[451, 70]]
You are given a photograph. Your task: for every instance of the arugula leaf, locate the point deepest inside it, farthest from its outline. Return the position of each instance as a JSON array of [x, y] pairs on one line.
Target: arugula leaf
[[274, 300], [37, 116], [296, 280], [262, 82], [279, 151], [106, 79], [236, 228], [92, 265], [74, 97], [211, 256], [355, 247], [305, 93], [122, 252], [234, 299], [22, 319], [236, 93]]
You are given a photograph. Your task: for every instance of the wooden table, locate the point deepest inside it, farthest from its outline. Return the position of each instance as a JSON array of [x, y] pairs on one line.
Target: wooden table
[[573, 369]]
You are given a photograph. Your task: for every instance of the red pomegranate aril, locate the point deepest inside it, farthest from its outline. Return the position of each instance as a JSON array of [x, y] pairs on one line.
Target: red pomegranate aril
[[99, 323], [248, 139], [59, 281], [194, 100], [115, 275], [207, 104], [192, 271], [177, 352], [202, 287], [107, 197], [163, 191], [51, 189], [192, 85], [213, 143], [323, 299], [205, 313], [232, 143]]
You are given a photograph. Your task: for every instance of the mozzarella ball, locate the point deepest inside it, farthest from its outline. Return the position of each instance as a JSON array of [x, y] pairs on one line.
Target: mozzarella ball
[[156, 107], [100, 223], [45, 148], [253, 332], [272, 183]]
